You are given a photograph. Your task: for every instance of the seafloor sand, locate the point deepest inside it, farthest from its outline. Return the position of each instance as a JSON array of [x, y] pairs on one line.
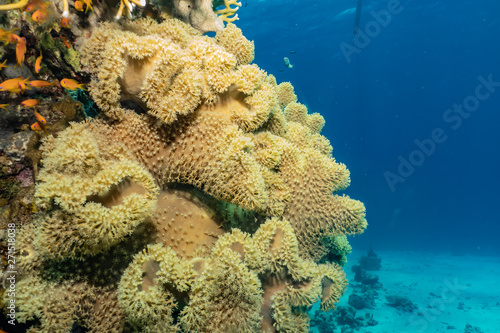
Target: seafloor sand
[[449, 292]]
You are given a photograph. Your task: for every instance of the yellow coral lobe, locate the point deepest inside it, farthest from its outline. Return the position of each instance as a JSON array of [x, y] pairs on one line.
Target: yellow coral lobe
[[172, 75], [185, 223], [143, 291], [232, 40], [285, 94], [98, 196], [227, 297], [334, 284]]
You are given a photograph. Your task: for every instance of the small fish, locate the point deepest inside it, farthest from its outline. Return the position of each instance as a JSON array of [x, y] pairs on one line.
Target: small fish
[[10, 84], [29, 103], [40, 119], [14, 84], [79, 5], [65, 21], [18, 91], [89, 5], [4, 106], [22, 84], [4, 35], [32, 5], [68, 45], [20, 51], [15, 91], [41, 83], [292, 52], [2, 65], [287, 62], [40, 15], [17, 85], [12, 38], [36, 127], [71, 84], [38, 63]]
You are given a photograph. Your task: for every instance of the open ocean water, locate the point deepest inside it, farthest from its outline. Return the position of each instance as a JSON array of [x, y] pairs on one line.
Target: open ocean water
[[377, 104]]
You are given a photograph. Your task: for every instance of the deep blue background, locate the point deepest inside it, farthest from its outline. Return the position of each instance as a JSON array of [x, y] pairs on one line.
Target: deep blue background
[[396, 91]]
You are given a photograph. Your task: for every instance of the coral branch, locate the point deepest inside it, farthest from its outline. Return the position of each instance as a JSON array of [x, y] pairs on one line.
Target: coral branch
[[17, 5], [224, 14], [65, 8], [128, 7]]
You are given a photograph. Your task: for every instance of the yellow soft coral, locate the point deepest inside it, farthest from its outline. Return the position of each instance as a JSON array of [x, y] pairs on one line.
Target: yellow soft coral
[[167, 74], [222, 183], [143, 291], [233, 41], [58, 307], [285, 94], [100, 192], [225, 298]]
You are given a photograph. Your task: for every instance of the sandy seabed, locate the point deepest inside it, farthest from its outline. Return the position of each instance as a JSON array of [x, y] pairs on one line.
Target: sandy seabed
[[449, 292]]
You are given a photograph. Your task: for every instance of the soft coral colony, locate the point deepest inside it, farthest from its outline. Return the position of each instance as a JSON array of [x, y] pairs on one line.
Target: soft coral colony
[[202, 199]]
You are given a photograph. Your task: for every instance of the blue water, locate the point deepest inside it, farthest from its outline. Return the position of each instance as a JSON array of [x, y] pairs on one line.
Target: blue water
[[398, 89]]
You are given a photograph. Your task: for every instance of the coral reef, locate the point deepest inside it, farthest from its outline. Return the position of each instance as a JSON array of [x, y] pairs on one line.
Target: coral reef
[[361, 301], [338, 248], [472, 329], [343, 317], [370, 261], [203, 198], [365, 278], [401, 303]]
